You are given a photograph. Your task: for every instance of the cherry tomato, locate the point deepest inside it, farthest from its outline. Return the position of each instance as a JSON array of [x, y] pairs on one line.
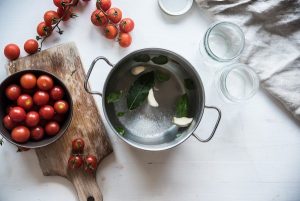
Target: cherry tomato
[[75, 162], [124, 39], [64, 14], [57, 93], [90, 164], [8, 122], [98, 18], [17, 114], [12, 51], [46, 112], [52, 128], [126, 25], [13, 92], [45, 82], [103, 4], [31, 46], [78, 145], [25, 101], [20, 134], [28, 81], [61, 107], [32, 119], [114, 15], [51, 17], [61, 3], [37, 133], [43, 29], [40, 98], [110, 31]]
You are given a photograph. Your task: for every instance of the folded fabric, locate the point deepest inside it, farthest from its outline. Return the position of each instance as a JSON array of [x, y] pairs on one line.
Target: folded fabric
[[272, 31]]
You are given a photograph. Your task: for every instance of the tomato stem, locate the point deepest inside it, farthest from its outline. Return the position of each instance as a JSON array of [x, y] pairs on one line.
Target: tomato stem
[[67, 7]]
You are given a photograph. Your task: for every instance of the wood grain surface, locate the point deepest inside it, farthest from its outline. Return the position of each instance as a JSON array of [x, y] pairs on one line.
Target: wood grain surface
[[64, 61]]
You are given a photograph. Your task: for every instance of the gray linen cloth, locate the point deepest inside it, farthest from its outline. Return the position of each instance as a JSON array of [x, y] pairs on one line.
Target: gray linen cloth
[[272, 31]]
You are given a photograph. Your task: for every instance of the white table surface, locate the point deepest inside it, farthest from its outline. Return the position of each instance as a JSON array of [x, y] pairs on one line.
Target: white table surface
[[254, 156]]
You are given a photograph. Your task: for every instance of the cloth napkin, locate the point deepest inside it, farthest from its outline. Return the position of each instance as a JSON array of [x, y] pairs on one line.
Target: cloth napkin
[[272, 31]]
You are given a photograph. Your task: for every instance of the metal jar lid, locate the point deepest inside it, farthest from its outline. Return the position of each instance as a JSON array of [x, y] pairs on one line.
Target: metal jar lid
[[175, 7]]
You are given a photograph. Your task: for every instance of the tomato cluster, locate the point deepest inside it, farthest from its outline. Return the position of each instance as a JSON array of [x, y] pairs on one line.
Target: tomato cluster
[[110, 20], [37, 108], [77, 159], [45, 28]]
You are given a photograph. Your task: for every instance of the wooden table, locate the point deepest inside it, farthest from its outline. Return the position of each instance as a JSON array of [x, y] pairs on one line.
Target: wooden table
[[253, 157]]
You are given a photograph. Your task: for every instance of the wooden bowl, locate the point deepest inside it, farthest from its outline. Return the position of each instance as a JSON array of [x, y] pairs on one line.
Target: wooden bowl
[[4, 102]]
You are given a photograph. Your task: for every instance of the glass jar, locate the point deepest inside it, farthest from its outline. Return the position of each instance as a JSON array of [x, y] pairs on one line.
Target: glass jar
[[236, 83], [223, 42]]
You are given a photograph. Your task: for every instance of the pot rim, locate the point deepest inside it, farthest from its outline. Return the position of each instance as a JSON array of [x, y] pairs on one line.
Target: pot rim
[[141, 146]]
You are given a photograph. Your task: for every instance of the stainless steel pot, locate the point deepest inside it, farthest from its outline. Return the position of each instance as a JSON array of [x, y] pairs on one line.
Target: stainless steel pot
[[151, 128]]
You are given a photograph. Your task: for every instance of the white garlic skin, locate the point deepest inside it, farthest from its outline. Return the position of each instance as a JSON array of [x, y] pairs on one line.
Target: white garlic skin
[[151, 99], [182, 121], [137, 70]]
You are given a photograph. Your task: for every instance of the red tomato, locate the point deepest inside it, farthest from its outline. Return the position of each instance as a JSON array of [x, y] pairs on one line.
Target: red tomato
[[61, 107], [114, 15], [75, 162], [126, 25], [57, 93], [8, 122], [41, 98], [20, 134], [103, 4], [52, 128], [43, 29], [31, 46], [37, 133], [61, 3], [28, 81], [110, 31], [51, 17], [32, 119], [64, 14], [25, 101], [46, 112], [45, 82], [78, 145], [98, 18], [12, 51], [13, 92], [90, 164], [17, 114], [124, 39]]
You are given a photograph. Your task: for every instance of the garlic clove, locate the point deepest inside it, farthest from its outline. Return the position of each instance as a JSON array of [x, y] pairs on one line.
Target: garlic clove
[[137, 70], [151, 99], [182, 121]]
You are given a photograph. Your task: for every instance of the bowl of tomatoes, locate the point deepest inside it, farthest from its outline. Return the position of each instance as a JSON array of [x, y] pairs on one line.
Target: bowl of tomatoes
[[35, 108]]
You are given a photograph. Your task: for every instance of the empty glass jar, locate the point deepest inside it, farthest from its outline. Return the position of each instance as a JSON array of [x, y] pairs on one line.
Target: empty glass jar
[[237, 82], [223, 42]]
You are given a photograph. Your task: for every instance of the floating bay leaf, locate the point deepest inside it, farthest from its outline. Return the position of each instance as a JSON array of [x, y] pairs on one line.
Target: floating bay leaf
[[182, 106], [142, 58], [160, 60]]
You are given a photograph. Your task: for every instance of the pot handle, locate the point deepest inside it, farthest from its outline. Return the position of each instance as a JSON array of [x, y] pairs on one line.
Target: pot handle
[[86, 87], [216, 125]]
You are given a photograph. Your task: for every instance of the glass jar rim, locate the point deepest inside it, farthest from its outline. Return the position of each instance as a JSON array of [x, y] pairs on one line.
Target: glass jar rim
[[208, 49]]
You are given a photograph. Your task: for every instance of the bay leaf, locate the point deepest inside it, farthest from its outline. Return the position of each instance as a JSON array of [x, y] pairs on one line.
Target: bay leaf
[[113, 97], [139, 90], [189, 84], [182, 106], [120, 130], [162, 76], [160, 60]]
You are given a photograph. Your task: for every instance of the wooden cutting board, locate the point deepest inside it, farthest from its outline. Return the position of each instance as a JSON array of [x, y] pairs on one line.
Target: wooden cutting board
[[64, 61]]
